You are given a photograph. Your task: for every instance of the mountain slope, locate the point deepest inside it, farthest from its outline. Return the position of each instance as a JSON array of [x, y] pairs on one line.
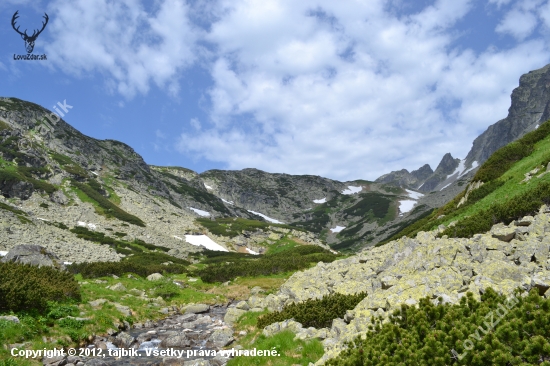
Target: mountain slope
[[530, 106]]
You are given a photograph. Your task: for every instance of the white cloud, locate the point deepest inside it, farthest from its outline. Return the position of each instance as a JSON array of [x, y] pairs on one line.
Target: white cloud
[[195, 123], [119, 39], [519, 24], [349, 90]]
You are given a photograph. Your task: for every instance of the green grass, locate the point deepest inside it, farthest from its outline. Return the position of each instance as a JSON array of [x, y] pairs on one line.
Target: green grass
[[290, 351]]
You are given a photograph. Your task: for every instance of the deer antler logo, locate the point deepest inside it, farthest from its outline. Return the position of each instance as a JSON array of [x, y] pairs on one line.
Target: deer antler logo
[[29, 40]]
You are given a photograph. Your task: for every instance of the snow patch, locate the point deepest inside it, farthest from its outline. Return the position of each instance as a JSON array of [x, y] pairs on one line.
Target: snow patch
[[200, 212], [250, 251], [229, 202], [537, 126], [67, 263], [445, 186], [207, 186], [459, 169], [322, 200], [406, 205], [3, 253], [266, 217], [337, 229], [95, 174], [88, 225], [414, 195], [474, 165], [352, 190], [177, 237], [204, 241], [41, 219]]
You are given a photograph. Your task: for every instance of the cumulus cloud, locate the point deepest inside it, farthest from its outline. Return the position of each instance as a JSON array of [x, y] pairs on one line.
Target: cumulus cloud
[[131, 47], [349, 90]]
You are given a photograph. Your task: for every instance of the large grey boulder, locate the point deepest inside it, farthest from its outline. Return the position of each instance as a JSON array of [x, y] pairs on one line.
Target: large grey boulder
[[34, 255], [21, 190], [221, 337]]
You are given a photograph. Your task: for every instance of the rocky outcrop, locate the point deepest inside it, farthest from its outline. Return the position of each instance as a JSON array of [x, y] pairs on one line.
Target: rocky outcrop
[[278, 196], [445, 168], [34, 255], [423, 179], [406, 270], [530, 106]]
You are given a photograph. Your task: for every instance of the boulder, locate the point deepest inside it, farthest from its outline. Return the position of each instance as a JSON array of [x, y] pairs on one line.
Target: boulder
[[155, 277], [117, 287], [59, 198], [10, 318], [194, 308], [20, 189], [35, 255], [232, 315], [221, 337]]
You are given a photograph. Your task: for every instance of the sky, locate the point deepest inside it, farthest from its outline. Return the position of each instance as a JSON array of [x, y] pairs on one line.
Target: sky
[[342, 89]]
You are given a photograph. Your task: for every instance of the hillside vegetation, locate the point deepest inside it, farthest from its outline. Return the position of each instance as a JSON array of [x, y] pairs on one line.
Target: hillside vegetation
[[504, 194]]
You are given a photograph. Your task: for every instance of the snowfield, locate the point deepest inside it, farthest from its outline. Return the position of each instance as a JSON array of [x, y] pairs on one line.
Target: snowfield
[[413, 194], [474, 165], [250, 251], [266, 217], [406, 205], [204, 241], [352, 190], [207, 186], [337, 229], [200, 212], [3, 253], [322, 200]]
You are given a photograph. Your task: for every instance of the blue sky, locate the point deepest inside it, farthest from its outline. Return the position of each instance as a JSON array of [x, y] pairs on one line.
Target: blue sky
[[342, 89]]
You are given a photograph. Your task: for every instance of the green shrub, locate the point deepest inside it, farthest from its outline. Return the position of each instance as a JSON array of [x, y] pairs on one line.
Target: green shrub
[[505, 157], [426, 335], [140, 264], [59, 310], [166, 290], [526, 203], [294, 259], [317, 313], [24, 287], [376, 203]]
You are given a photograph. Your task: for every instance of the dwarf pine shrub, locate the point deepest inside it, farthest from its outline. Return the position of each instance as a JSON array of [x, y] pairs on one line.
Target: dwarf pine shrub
[[294, 259], [474, 333], [317, 313], [24, 287]]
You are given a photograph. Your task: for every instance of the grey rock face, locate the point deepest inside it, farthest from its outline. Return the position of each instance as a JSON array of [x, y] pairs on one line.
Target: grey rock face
[[33, 254], [21, 190], [446, 167], [530, 106]]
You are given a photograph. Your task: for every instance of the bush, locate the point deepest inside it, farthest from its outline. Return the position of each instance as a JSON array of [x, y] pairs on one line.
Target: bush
[[294, 259], [166, 290], [505, 157], [25, 288], [526, 203], [313, 312], [426, 335], [140, 264]]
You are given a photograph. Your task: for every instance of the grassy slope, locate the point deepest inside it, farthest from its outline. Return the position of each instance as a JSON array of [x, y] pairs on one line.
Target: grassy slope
[[504, 170]]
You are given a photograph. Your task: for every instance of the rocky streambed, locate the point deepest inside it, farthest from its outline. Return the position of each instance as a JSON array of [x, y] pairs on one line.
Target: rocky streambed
[[192, 338]]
